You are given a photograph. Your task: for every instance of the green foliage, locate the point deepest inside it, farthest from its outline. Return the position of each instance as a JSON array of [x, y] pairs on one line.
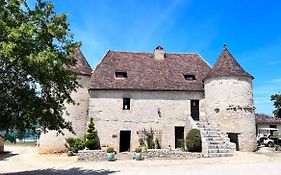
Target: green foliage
[[138, 149], [276, 98], [149, 138], [157, 144], [110, 150], [35, 47], [193, 141], [75, 144], [182, 144], [141, 142], [92, 137]]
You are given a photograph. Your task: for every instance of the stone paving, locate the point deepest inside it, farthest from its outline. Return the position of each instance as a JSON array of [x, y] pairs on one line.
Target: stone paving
[[26, 160]]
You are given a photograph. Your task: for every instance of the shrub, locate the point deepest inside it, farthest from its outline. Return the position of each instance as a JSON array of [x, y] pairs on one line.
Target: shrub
[[110, 150], [141, 142], [149, 138], [193, 141], [92, 138], [75, 144], [157, 144], [138, 149]]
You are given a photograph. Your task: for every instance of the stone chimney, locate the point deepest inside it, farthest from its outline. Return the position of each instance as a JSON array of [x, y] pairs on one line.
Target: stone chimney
[[159, 53]]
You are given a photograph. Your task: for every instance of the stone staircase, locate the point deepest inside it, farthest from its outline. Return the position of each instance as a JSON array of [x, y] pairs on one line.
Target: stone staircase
[[124, 156], [214, 144]]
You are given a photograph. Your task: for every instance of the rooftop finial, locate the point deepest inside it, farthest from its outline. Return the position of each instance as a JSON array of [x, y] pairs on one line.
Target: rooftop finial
[[224, 45]]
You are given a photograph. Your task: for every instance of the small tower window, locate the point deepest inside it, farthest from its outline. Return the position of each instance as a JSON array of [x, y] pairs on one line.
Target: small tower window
[[126, 103], [189, 77], [121, 74]]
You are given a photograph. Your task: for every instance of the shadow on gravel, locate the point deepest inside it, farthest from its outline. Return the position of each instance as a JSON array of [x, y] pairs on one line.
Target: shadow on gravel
[[72, 171], [6, 155]]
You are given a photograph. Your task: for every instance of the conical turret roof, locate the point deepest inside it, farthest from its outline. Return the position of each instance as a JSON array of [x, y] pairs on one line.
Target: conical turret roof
[[82, 66], [226, 65]]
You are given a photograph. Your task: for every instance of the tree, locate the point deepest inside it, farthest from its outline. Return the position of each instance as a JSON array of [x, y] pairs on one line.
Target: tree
[[92, 137], [35, 47], [276, 98]]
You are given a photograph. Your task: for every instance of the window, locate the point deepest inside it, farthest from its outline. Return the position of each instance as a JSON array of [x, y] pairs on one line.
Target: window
[[189, 77], [121, 75], [126, 103]]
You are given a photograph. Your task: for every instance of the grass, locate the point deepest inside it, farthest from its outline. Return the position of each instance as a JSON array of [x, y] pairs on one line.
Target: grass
[[21, 143]]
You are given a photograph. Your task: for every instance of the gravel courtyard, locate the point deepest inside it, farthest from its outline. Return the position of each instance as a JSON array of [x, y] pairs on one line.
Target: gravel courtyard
[[26, 160]]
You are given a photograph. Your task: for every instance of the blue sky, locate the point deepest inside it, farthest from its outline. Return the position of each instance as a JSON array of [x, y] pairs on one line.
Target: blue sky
[[251, 30]]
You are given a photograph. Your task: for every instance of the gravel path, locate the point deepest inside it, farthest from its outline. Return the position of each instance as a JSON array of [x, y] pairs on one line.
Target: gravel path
[[26, 161]]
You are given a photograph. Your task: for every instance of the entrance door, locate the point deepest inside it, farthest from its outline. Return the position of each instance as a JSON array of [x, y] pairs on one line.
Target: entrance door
[[194, 106], [125, 141], [234, 139], [179, 136]]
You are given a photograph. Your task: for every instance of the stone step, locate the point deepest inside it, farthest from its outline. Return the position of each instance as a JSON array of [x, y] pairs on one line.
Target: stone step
[[209, 132], [211, 135], [216, 146], [213, 139], [216, 142], [219, 155], [209, 129], [220, 150], [124, 156]]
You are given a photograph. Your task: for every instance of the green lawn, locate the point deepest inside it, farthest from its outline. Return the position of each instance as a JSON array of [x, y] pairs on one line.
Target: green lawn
[[20, 143]]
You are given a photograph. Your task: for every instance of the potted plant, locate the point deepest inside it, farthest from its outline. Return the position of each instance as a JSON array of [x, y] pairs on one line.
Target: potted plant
[[110, 154], [138, 153]]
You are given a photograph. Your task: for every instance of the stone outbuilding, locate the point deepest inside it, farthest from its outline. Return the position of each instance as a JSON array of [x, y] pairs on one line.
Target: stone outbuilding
[[170, 93], [266, 121]]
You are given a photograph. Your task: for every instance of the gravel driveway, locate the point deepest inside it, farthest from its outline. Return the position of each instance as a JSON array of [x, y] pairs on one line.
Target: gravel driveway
[[24, 160]]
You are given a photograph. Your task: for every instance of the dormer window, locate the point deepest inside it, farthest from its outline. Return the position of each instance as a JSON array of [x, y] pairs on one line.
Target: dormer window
[[121, 74], [189, 77]]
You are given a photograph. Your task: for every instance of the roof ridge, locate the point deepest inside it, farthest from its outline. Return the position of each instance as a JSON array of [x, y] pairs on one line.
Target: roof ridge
[[178, 53]]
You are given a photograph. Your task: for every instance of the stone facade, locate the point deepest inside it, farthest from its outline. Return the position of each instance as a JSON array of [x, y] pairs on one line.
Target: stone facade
[[51, 142], [161, 87], [106, 109], [229, 103]]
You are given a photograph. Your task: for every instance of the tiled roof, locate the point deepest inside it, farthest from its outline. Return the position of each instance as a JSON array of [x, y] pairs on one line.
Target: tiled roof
[[146, 73], [82, 66], [226, 65], [265, 119]]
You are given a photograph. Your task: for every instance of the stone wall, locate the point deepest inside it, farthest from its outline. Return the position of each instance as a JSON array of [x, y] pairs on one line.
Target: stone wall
[[159, 110], [51, 142], [91, 155], [229, 104], [169, 154]]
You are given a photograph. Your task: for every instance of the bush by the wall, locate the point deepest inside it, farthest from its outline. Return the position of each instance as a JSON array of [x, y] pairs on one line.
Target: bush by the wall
[[92, 138], [75, 144], [193, 141]]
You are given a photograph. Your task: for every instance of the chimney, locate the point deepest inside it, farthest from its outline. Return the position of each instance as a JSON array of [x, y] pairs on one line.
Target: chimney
[[159, 53]]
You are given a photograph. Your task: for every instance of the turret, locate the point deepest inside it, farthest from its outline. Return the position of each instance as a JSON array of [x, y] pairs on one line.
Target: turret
[[51, 142], [229, 101]]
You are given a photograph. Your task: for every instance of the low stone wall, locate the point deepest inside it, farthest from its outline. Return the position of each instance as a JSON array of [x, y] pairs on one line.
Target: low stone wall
[[169, 154], [165, 154], [91, 155]]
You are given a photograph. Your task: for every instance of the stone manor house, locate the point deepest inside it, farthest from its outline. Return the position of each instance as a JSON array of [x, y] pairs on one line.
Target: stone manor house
[[168, 92]]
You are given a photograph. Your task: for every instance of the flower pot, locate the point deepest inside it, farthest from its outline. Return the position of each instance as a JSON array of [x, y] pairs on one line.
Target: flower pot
[[138, 156], [110, 156]]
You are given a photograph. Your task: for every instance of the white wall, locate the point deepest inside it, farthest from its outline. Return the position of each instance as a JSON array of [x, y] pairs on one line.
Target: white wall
[[51, 142], [110, 118], [223, 92]]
